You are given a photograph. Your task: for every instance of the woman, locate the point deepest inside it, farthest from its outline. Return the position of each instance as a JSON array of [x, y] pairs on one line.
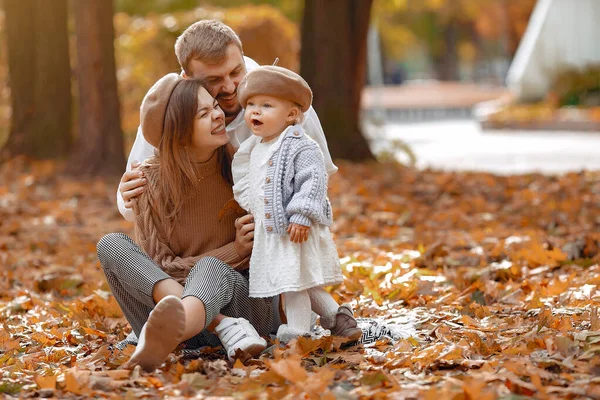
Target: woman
[[184, 280]]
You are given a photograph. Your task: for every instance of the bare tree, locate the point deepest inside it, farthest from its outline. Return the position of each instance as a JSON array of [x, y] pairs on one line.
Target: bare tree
[[100, 146], [333, 61], [39, 77]]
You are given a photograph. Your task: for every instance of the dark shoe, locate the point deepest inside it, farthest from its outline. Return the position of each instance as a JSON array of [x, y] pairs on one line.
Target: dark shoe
[[343, 323]]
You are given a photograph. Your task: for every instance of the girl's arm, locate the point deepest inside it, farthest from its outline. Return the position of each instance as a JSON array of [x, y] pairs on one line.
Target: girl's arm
[[310, 187]]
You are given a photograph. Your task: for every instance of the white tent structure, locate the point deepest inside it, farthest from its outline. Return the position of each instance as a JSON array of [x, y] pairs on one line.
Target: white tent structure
[[560, 34]]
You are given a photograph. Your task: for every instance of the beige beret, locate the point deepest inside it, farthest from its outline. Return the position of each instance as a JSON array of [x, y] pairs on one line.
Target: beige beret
[[275, 81], [154, 106]]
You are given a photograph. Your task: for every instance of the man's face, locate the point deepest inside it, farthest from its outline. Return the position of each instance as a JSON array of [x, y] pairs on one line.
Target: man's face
[[222, 79]]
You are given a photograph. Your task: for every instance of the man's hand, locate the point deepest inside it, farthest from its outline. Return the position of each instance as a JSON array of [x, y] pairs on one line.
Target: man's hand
[[244, 235], [298, 233], [132, 184]]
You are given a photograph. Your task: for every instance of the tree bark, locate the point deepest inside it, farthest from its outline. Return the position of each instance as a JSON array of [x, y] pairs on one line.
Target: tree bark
[[100, 145], [446, 63], [333, 62], [40, 78]]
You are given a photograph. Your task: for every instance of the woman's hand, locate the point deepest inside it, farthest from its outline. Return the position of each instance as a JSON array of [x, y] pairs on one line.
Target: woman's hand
[[244, 235], [298, 233]]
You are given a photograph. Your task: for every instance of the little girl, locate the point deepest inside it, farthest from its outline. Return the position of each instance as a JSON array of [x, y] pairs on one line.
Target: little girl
[[280, 178]]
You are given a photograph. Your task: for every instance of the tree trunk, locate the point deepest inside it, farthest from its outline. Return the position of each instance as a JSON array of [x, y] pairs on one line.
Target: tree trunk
[[40, 78], [477, 41], [333, 62], [446, 63], [100, 144]]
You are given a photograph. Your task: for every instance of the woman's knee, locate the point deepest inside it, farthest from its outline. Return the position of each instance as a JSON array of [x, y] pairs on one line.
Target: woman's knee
[[211, 271], [213, 282], [212, 266], [111, 247]]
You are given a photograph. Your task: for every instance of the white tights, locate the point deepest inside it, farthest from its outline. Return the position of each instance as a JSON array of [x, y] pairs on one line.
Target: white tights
[[298, 306]]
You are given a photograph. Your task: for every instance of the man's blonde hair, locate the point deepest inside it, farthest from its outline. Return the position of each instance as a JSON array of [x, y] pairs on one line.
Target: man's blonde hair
[[205, 40]]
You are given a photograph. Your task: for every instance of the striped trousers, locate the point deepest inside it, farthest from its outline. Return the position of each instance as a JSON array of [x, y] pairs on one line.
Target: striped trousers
[[132, 274]]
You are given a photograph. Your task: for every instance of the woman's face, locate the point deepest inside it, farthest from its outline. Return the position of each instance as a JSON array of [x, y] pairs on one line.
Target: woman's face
[[209, 124]]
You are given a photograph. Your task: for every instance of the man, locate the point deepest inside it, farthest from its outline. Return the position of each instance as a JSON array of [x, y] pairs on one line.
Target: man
[[211, 51]]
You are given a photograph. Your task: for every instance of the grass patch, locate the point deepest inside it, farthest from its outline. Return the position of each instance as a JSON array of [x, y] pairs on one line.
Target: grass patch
[[10, 388]]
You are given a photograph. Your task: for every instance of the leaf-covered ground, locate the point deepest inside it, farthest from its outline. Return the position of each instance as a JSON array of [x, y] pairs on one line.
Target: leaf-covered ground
[[498, 274]]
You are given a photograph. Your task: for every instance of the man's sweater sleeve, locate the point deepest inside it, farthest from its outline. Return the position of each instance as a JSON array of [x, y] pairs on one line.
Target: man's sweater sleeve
[[140, 151], [312, 127], [309, 201]]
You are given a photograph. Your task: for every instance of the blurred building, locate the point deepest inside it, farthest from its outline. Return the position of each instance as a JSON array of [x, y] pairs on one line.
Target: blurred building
[[561, 34]]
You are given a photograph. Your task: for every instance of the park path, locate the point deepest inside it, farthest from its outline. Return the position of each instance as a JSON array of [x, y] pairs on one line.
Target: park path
[[461, 145], [436, 120]]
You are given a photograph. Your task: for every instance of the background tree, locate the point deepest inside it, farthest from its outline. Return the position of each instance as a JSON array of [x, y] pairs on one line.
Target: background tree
[[100, 144], [452, 31], [290, 8], [39, 77], [333, 62], [144, 48]]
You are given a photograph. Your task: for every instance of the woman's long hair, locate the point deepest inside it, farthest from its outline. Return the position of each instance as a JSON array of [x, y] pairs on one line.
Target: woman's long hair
[[176, 171]]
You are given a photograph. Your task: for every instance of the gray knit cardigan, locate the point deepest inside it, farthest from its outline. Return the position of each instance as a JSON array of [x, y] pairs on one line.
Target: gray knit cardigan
[[296, 184]]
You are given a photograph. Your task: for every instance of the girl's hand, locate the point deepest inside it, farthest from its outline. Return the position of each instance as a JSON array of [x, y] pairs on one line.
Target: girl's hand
[[298, 233]]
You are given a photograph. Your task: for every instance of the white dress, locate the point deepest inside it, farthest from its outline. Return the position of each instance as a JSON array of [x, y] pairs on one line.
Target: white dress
[[278, 265]]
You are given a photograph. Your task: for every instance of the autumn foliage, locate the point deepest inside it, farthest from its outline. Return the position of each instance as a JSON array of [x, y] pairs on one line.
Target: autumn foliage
[[144, 51], [449, 33], [144, 46], [498, 276]]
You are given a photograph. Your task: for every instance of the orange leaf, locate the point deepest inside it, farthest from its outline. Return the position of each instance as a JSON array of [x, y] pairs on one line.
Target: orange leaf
[[594, 320], [475, 390], [470, 322], [46, 382], [231, 206], [289, 368], [118, 374], [76, 381]]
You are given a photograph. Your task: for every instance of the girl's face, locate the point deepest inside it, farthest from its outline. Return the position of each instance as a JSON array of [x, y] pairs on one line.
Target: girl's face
[[209, 124], [268, 116]]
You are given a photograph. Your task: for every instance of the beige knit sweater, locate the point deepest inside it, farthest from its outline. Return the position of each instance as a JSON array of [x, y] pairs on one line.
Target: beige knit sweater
[[199, 230]]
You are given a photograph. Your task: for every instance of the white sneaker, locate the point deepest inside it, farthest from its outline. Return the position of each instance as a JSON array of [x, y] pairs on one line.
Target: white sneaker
[[160, 335], [238, 333]]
